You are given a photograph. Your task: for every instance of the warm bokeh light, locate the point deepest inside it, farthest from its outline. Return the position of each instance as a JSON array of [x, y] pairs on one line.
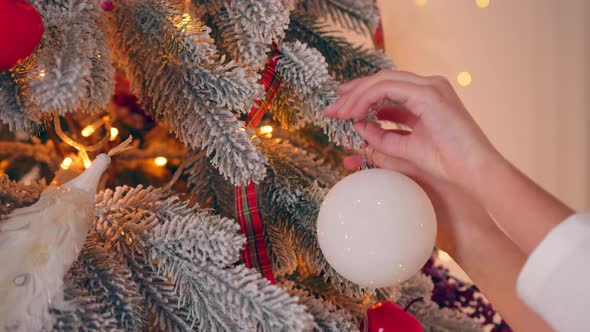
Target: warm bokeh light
[[482, 3], [42, 73], [87, 131], [114, 133], [265, 130], [66, 163], [464, 78], [160, 161], [421, 3]]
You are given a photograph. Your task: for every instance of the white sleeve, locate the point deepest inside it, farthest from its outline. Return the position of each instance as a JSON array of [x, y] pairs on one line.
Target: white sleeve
[[555, 280]]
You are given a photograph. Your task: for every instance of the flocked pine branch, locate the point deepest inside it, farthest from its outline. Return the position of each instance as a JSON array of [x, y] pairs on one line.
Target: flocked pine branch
[[16, 110], [327, 316], [14, 195], [281, 248], [209, 188], [84, 313], [107, 280], [345, 60], [305, 71], [250, 26], [182, 78], [292, 199], [358, 15], [180, 257], [433, 318], [73, 69]]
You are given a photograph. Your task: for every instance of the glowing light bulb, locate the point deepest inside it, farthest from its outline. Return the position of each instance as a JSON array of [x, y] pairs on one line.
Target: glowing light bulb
[[184, 21], [482, 3], [114, 133], [265, 130], [464, 78], [88, 130], [42, 73], [66, 163], [160, 161]]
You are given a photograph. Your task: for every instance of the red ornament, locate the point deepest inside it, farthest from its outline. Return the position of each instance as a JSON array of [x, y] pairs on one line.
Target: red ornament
[[386, 316], [21, 29], [107, 5]]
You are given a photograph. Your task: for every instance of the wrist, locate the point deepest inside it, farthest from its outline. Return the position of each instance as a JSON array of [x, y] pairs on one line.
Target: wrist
[[484, 167]]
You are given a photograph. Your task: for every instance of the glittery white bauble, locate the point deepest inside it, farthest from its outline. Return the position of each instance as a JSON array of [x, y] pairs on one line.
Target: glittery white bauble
[[376, 227]]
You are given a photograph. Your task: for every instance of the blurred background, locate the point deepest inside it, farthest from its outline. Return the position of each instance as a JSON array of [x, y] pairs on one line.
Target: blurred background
[[521, 67]]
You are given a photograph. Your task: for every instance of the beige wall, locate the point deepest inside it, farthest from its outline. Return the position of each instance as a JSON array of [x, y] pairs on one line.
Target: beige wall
[[529, 60]]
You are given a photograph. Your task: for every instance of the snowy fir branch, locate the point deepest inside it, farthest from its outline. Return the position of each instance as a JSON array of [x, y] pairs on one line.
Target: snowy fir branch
[[86, 312], [304, 70], [15, 109], [327, 316], [345, 60], [250, 26], [14, 195], [182, 257], [208, 187], [292, 201], [190, 85], [73, 69], [105, 278], [359, 15]]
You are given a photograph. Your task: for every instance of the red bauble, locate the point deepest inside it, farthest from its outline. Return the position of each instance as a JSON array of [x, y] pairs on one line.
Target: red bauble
[[386, 316], [21, 29]]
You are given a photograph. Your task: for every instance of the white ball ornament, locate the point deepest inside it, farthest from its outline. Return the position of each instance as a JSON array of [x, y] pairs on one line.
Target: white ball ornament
[[376, 227]]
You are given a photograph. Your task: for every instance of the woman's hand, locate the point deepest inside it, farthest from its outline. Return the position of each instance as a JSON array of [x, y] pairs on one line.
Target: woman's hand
[[445, 141]]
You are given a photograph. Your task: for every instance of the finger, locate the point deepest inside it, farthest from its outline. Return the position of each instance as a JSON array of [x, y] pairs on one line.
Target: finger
[[388, 142], [385, 74], [357, 104], [397, 114], [353, 162], [401, 165]]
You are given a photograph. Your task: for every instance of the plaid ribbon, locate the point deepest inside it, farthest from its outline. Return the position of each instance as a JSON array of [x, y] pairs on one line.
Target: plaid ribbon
[[378, 38], [255, 254]]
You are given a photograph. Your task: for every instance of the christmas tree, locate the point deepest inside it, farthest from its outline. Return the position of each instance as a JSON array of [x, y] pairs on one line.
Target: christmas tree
[[209, 223]]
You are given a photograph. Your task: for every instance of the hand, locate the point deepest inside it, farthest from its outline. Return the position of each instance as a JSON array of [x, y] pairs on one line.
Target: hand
[[460, 218], [445, 141]]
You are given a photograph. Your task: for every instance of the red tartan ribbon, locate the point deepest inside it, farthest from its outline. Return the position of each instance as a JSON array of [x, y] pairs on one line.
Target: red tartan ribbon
[[255, 254], [378, 38]]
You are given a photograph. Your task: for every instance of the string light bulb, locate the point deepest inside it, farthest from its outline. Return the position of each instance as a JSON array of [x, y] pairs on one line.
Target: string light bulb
[[114, 133], [184, 21], [66, 163], [88, 130], [160, 161], [264, 130]]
